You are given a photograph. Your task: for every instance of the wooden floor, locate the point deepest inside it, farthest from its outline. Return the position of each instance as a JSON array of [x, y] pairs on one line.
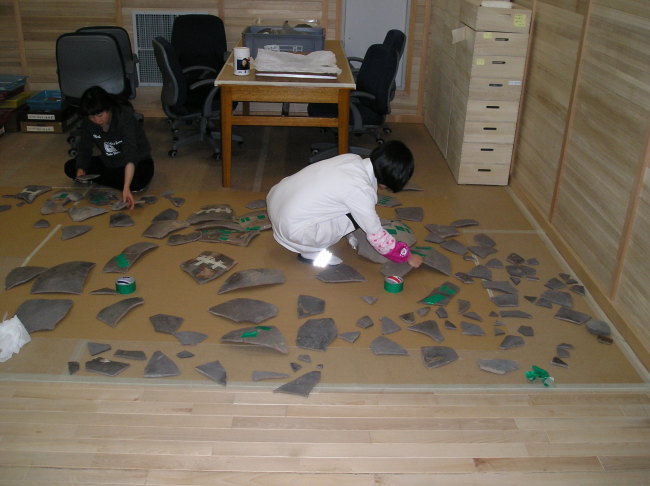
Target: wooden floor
[[97, 433]]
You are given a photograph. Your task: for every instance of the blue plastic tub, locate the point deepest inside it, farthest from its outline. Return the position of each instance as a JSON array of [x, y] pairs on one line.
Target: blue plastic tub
[[48, 100]]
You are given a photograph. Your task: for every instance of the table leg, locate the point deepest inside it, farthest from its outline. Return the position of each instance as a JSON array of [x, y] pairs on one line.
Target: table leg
[[344, 120], [226, 134]]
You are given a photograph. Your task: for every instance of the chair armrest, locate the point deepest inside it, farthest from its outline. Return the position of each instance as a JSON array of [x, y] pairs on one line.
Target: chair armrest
[[201, 82], [361, 94], [206, 69]]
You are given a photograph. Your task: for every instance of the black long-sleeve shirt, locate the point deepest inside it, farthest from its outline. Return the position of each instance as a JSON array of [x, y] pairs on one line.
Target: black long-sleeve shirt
[[124, 142]]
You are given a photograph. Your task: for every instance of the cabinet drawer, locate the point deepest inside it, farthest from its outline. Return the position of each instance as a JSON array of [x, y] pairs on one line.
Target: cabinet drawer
[[496, 43], [496, 111], [486, 174], [489, 132], [498, 67], [494, 89], [486, 153]]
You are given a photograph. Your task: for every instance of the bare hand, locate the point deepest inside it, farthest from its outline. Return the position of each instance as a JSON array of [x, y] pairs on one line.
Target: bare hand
[[81, 172], [127, 197], [415, 260]]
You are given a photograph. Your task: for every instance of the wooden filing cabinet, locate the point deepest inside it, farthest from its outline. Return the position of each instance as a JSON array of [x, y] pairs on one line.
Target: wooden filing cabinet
[[478, 89]]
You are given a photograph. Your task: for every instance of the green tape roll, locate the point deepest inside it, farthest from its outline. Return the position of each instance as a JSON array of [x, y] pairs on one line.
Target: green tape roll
[[125, 285], [393, 284]]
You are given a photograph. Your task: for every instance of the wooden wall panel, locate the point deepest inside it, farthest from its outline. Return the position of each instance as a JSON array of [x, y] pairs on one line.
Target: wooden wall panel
[[9, 39]]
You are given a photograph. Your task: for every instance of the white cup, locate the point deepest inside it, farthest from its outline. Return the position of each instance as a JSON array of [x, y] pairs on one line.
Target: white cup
[[242, 64]]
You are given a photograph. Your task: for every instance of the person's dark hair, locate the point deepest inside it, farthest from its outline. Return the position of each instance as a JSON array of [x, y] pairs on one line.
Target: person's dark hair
[[393, 164], [96, 99]]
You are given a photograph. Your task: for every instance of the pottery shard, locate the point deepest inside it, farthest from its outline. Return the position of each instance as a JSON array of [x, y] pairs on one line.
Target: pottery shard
[[498, 366], [245, 310], [437, 356], [265, 336], [67, 278], [317, 334], [42, 314]]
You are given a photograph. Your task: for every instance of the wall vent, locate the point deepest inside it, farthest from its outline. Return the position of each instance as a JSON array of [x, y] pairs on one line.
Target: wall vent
[[147, 25]]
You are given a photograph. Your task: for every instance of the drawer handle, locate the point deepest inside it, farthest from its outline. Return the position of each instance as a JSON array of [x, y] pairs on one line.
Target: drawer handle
[[489, 128], [485, 170], [502, 39], [493, 107], [498, 62], [487, 150], [496, 85]]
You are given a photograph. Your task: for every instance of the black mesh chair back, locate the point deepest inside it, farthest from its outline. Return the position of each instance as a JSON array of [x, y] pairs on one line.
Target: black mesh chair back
[[376, 76], [89, 59], [174, 92], [199, 40], [395, 39]]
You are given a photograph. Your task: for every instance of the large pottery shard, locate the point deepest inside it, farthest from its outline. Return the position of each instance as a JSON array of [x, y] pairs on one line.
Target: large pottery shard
[[302, 385], [309, 306], [212, 212], [81, 213], [382, 345], [160, 366], [317, 334], [42, 314], [339, 274], [215, 371], [21, 275], [266, 336], [112, 314], [122, 263], [245, 310], [207, 266], [67, 278], [252, 278], [437, 356], [430, 328], [160, 229], [166, 323], [31, 192]]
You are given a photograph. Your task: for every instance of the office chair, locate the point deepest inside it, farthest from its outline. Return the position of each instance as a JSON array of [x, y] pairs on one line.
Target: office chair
[[194, 106], [85, 59], [128, 56], [199, 40], [394, 39], [369, 103]]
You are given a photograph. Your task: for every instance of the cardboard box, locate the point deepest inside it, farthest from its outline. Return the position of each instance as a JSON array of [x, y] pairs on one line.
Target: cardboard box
[[66, 120], [515, 19]]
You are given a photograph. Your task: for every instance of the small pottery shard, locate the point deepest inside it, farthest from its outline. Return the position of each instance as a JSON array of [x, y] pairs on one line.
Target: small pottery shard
[[120, 220], [515, 313], [302, 385], [168, 214], [480, 271], [73, 367], [265, 336], [437, 356], [388, 326], [5, 207], [253, 277], [605, 340], [96, 348], [87, 177], [430, 328], [160, 366], [229, 236], [304, 358], [309, 306], [527, 331], [505, 300], [578, 289], [31, 192], [52, 206], [501, 286], [212, 212], [441, 295], [81, 213], [213, 370], [515, 259], [190, 338], [463, 305], [369, 299], [175, 240], [339, 274], [388, 201], [104, 291], [21, 275], [498, 366], [498, 331], [473, 315], [511, 341], [317, 334], [570, 315], [42, 314], [69, 232], [454, 246], [245, 310], [166, 323], [555, 284], [134, 355], [532, 261], [101, 197], [365, 322], [207, 266], [350, 336], [545, 303], [184, 354], [255, 221], [41, 223], [67, 278], [410, 213], [515, 280], [395, 268], [434, 259], [408, 318], [434, 237], [442, 313], [256, 204], [112, 314], [105, 366], [484, 240], [482, 251], [296, 367], [176, 201], [470, 329], [462, 223], [494, 263], [558, 297], [268, 375], [423, 311], [382, 346], [445, 231], [124, 261], [160, 229], [557, 361], [450, 326], [561, 352], [598, 327]]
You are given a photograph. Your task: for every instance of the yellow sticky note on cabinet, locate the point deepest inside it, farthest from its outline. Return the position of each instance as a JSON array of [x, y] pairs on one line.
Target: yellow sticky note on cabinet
[[480, 62], [519, 20], [487, 35]]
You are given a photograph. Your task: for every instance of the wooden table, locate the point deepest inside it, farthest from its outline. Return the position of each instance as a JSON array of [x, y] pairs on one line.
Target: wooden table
[[283, 90]]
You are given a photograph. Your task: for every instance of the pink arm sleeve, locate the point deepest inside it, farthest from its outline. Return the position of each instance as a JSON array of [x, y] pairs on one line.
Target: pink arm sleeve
[[386, 245]]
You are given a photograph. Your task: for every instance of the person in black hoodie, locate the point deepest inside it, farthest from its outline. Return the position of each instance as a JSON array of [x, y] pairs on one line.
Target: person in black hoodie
[[124, 162]]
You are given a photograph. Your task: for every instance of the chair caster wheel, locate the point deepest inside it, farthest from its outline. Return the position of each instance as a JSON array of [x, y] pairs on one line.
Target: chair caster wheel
[[314, 151], [387, 130], [172, 153], [380, 141], [71, 139], [216, 155], [72, 153]]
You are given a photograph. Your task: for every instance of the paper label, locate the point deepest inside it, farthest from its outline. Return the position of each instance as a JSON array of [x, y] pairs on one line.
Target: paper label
[[519, 20], [487, 35], [514, 83], [480, 62], [41, 116]]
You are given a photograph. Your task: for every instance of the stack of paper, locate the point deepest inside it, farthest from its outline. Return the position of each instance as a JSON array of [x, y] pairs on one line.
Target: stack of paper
[[496, 3]]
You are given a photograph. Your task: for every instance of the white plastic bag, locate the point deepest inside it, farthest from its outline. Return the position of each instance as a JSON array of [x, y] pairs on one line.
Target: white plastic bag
[[13, 336]]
